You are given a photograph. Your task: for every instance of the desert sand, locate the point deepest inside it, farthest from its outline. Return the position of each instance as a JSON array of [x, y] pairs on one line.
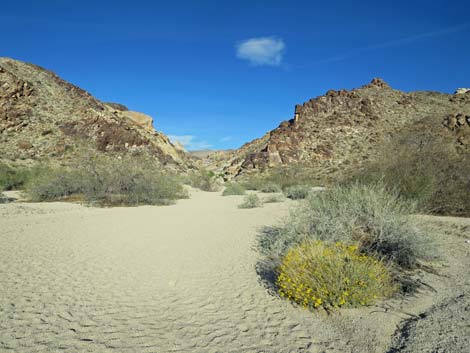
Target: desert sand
[[182, 278]]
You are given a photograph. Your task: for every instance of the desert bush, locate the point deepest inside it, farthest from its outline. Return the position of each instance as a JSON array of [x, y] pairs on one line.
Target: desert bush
[[365, 215], [7, 177], [284, 177], [270, 188], [106, 181], [13, 178], [318, 274], [234, 189], [297, 192], [426, 168], [274, 198], [54, 184], [204, 180], [251, 201], [252, 182]]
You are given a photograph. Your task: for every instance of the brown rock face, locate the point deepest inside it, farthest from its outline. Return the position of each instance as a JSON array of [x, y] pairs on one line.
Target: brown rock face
[[340, 130], [43, 117]]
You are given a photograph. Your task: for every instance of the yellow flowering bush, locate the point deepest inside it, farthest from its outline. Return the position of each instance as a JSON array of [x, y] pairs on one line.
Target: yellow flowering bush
[[317, 273]]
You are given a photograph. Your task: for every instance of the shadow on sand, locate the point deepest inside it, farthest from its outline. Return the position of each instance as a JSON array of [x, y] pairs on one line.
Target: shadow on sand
[[266, 268], [6, 199]]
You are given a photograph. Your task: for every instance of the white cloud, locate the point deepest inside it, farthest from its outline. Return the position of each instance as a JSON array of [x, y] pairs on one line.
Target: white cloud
[[262, 51], [190, 142]]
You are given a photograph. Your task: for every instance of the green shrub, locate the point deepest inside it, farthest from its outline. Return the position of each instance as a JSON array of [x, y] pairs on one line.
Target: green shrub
[[128, 181], [251, 201], [270, 188], [318, 274], [274, 198], [297, 192], [234, 189], [204, 180], [357, 214]]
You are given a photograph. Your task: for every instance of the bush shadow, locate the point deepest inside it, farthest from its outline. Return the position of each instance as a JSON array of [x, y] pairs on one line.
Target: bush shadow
[[267, 265]]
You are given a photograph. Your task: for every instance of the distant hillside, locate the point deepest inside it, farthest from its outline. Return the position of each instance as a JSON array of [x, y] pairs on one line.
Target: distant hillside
[[43, 117], [340, 130]]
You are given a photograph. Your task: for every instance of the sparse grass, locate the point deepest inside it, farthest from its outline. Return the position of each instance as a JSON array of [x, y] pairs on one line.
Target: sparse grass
[[365, 215], [251, 201], [318, 274], [234, 189], [204, 180], [103, 181], [274, 198], [297, 192], [270, 188]]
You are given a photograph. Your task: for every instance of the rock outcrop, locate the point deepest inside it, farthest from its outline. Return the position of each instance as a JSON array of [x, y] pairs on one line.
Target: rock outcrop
[[117, 106], [340, 130], [462, 90], [45, 117], [143, 120], [459, 126]]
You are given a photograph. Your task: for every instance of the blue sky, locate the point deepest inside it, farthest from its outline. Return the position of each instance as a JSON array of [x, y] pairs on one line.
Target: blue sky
[[217, 74]]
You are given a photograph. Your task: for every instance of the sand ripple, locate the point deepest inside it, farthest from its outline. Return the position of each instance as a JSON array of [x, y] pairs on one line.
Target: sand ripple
[[147, 279]]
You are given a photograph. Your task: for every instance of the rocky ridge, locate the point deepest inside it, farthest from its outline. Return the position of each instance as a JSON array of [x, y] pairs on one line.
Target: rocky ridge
[[43, 117], [342, 129]]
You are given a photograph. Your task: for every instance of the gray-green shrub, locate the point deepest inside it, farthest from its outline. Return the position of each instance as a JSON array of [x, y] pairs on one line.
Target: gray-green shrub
[[108, 181], [369, 216], [274, 198], [284, 177], [270, 188], [425, 167], [14, 178], [251, 201], [55, 184], [204, 180], [297, 192], [234, 189]]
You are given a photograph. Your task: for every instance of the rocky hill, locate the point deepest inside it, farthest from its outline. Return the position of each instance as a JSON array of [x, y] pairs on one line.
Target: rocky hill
[[43, 117], [340, 130]]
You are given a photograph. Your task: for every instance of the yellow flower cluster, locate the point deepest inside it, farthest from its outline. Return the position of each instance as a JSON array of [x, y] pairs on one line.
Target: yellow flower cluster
[[316, 273]]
